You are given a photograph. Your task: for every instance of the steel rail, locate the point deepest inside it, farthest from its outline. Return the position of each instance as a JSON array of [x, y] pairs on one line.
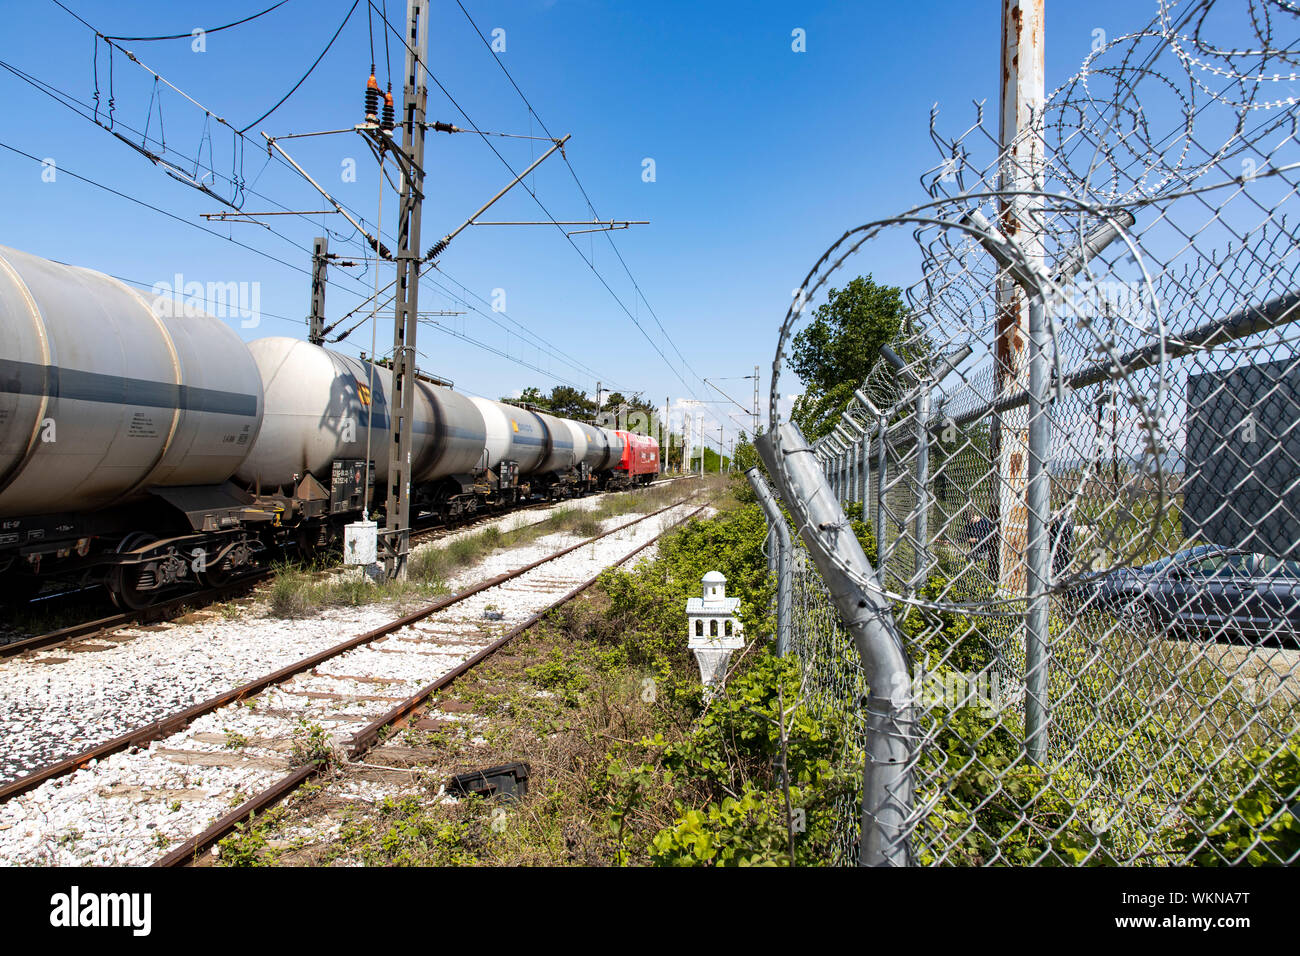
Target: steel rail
[[192, 600], [368, 736], [152, 613], [167, 726]]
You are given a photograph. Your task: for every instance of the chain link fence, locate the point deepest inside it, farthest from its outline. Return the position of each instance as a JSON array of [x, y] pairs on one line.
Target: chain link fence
[[1078, 467]]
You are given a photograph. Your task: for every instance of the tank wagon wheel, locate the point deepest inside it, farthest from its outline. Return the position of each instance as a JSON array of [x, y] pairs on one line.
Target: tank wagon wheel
[[312, 542], [218, 575], [124, 580]]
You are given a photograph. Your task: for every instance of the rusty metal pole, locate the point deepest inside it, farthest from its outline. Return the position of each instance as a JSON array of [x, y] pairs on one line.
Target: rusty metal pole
[[1023, 94]]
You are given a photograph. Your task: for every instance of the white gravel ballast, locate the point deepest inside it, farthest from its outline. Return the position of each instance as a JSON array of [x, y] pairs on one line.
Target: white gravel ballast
[[62, 701], [130, 807]]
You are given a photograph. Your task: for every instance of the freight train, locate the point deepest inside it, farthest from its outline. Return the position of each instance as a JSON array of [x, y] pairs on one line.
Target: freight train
[[155, 452]]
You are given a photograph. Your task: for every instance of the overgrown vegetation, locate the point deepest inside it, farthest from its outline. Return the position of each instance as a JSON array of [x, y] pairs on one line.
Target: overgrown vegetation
[[629, 764], [1260, 827], [310, 746], [632, 766], [299, 591]]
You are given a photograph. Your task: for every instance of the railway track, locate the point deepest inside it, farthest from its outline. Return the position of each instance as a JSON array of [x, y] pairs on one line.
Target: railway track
[[174, 607], [248, 740], [163, 611]]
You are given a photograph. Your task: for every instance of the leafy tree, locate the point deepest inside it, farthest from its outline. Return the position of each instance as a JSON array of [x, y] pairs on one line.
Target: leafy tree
[[836, 350], [673, 453], [745, 455], [568, 402], [532, 395], [634, 404], [564, 400]]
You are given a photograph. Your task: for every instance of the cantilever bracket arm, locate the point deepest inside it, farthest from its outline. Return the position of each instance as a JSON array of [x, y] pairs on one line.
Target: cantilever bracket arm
[[867, 404], [436, 249], [381, 140], [381, 249]]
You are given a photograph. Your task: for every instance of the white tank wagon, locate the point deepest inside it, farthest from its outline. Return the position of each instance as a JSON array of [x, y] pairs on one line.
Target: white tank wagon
[[152, 452], [559, 455], [596, 450], [101, 398], [114, 416], [504, 441], [601, 448], [553, 453], [323, 407]]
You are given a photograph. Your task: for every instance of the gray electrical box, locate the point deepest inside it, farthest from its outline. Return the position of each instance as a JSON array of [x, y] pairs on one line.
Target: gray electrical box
[[1242, 461]]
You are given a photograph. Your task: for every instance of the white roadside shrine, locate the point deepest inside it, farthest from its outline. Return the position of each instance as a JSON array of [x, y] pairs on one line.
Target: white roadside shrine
[[714, 630]]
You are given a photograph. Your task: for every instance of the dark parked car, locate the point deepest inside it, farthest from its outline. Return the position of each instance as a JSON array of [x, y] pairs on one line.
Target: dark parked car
[[1209, 592]]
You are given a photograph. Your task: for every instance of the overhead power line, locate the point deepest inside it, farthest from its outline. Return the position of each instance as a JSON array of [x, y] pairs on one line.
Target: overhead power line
[[595, 215], [63, 170], [531, 192], [86, 111], [574, 173], [187, 36], [303, 79]]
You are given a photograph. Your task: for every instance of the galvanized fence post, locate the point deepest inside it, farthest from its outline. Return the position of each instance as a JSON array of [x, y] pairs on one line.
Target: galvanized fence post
[[855, 494], [844, 467], [887, 789], [848, 470], [882, 478], [864, 475], [921, 547], [784, 557], [1038, 558]]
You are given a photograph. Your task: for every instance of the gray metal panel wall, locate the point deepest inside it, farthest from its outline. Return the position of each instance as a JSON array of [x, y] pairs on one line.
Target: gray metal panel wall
[[1238, 490]]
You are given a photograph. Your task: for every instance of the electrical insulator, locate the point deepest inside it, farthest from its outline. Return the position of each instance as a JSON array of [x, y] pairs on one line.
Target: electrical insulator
[[389, 121], [372, 98]]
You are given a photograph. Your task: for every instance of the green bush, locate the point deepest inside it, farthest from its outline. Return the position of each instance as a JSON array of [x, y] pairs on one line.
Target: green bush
[[1257, 828], [649, 600], [732, 759]]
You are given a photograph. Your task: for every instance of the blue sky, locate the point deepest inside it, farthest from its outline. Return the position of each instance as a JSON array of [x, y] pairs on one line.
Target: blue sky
[[762, 157]]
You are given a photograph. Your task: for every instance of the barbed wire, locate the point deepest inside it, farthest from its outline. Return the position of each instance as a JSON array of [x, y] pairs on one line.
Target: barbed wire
[[1164, 390]]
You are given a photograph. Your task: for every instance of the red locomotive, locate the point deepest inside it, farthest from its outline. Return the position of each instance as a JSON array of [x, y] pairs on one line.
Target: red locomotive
[[640, 461]]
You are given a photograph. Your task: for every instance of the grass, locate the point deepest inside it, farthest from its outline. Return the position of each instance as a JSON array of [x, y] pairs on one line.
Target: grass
[[299, 591], [576, 697], [560, 705]]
